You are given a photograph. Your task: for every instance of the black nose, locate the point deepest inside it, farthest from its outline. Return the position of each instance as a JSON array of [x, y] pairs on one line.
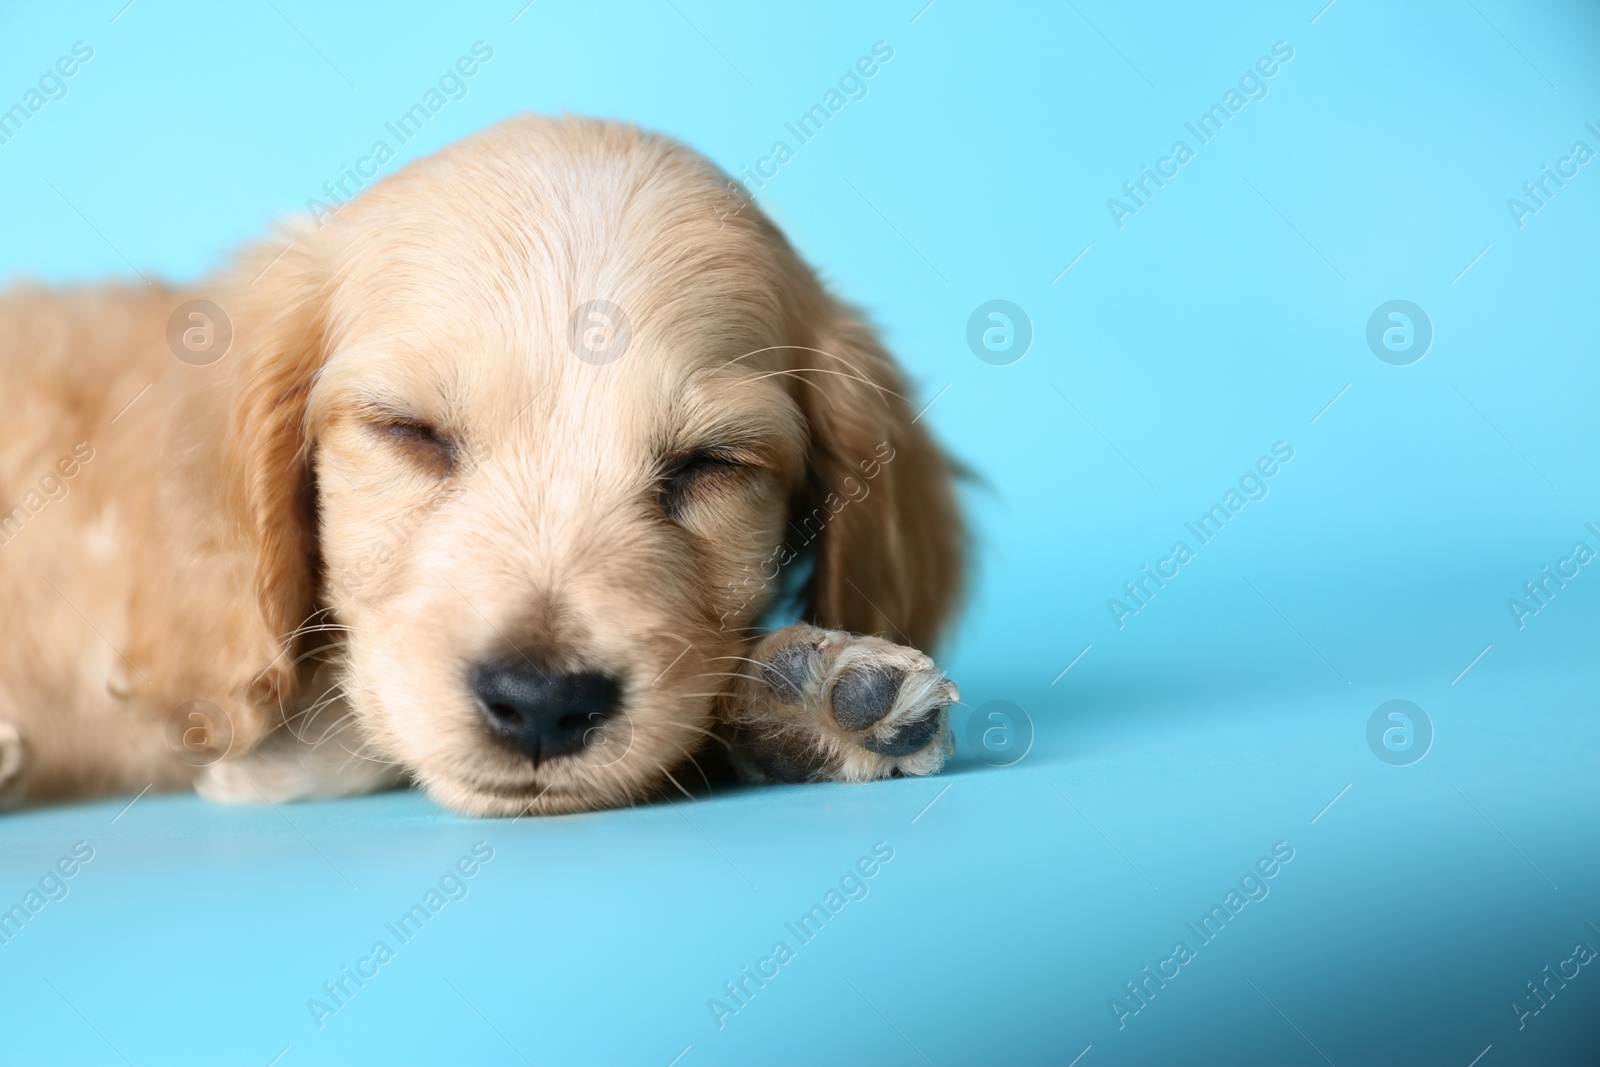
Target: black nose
[[542, 715]]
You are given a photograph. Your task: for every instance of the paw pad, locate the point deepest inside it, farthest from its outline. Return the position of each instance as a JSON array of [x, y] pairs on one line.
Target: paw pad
[[825, 704], [862, 697], [788, 670], [912, 737]]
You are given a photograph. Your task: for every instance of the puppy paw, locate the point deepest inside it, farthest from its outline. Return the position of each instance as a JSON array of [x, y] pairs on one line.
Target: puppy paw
[[251, 780], [13, 756], [282, 770], [831, 705]]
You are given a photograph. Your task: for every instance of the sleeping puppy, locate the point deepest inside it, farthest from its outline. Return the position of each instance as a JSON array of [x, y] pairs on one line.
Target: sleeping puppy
[[487, 483]]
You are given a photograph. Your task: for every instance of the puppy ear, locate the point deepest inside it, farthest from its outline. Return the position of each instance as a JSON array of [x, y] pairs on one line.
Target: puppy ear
[[279, 346], [880, 504]]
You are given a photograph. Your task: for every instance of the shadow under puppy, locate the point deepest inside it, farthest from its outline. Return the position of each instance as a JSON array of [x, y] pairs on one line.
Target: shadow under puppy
[[489, 488]]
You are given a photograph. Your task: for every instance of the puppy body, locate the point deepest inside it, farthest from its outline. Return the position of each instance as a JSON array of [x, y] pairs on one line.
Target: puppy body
[[537, 399], [70, 556]]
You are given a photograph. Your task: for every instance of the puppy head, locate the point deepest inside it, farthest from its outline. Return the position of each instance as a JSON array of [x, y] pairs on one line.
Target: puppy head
[[540, 423]]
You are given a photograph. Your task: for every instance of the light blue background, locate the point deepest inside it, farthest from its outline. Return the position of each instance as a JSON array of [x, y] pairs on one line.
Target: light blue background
[[1224, 717]]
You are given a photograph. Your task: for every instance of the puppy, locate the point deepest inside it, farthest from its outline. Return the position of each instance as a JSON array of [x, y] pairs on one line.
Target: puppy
[[488, 482]]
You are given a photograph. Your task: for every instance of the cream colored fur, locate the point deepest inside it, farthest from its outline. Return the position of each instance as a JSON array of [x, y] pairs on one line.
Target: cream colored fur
[[257, 536]]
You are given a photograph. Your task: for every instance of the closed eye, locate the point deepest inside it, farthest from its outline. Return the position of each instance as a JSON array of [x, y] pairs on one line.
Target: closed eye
[[687, 474], [419, 443]]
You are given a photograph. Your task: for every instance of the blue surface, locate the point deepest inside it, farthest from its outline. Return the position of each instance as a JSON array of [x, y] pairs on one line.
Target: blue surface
[[1228, 715]]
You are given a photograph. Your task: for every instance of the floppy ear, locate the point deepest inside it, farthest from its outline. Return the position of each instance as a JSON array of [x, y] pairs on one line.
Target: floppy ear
[[879, 500], [279, 346]]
